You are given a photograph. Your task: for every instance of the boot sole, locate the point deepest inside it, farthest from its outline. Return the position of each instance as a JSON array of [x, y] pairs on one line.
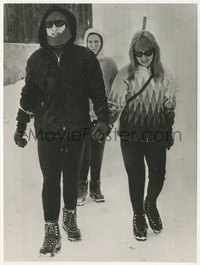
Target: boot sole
[[96, 200], [140, 238], [155, 231], [52, 254], [71, 239], [81, 203]]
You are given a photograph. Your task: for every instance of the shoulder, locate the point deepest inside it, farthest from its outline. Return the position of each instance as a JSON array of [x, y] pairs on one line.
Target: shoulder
[[123, 72], [121, 77], [81, 50], [36, 54]]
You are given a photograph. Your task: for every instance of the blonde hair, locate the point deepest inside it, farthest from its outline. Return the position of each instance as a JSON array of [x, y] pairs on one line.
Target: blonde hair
[[145, 41]]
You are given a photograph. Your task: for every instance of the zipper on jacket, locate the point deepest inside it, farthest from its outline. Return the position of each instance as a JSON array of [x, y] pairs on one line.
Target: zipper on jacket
[[58, 57]]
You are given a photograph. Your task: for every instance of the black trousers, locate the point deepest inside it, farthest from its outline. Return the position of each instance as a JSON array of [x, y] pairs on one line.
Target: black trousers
[[92, 158], [53, 162], [133, 156]]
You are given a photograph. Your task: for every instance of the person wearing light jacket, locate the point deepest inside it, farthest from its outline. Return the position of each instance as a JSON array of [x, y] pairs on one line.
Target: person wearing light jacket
[[93, 150], [145, 126], [61, 77]]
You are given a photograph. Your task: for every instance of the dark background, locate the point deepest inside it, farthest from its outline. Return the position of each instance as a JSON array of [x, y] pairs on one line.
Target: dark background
[[21, 21]]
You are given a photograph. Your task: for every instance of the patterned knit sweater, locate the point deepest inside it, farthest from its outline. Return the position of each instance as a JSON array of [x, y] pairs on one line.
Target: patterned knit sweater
[[149, 114]]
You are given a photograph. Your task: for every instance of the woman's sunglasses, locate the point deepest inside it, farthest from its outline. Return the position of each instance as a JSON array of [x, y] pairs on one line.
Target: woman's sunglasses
[[57, 23], [140, 54]]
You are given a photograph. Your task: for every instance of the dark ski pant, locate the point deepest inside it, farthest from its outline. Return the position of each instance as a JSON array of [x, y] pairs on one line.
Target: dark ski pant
[[92, 159], [134, 154], [53, 162]]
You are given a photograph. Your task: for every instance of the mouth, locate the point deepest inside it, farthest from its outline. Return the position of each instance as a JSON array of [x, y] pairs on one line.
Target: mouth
[[55, 34], [144, 62]]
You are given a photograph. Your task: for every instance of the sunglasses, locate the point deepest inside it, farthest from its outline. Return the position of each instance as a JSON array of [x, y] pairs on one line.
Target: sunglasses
[[57, 23], [147, 53]]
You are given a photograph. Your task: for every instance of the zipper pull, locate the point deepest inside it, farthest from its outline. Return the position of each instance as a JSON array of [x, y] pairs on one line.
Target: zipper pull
[[58, 61]]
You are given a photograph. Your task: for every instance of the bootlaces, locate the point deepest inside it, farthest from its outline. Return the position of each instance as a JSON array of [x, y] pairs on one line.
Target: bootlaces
[[71, 222], [51, 236]]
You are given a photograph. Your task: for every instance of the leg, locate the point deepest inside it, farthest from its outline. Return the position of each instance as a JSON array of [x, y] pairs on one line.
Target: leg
[[133, 155], [50, 163], [85, 165], [96, 163], [71, 171], [156, 159], [155, 155], [96, 159], [50, 159], [86, 160]]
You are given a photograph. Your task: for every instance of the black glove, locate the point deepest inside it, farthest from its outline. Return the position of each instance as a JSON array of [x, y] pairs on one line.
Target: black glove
[[100, 131], [169, 139], [19, 138], [23, 118], [169, 117]]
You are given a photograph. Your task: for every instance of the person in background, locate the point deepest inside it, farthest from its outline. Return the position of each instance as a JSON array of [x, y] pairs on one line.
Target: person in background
[[93, 150], [143, 96], [60, 79]]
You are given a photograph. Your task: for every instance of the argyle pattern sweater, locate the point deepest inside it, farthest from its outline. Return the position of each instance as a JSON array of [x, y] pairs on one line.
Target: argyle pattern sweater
[[148, 114]]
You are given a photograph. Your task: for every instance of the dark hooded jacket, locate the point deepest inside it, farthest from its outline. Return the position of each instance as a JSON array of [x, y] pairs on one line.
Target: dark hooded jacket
[[58, 91]]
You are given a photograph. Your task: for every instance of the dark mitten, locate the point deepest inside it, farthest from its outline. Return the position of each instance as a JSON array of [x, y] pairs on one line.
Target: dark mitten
[[169, 117], [169, 139], [20, 139], [23, 118], [100, 131]]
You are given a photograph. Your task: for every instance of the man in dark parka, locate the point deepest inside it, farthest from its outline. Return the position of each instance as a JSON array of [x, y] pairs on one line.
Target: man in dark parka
[[60, 78]]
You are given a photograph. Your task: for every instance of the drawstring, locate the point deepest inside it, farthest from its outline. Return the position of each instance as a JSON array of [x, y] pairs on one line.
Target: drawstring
[[64, 144]]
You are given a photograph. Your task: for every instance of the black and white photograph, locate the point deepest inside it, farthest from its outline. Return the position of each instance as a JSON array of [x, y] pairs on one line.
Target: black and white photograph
[[100, 132]]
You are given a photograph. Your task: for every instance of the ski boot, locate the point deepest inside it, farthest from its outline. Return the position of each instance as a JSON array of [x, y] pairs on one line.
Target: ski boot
[[82, 193], [70, 225], [140, 227], [95, 191], [153, 217], [52, 240]]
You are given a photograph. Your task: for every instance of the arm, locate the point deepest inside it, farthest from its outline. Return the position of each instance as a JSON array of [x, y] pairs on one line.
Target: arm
[[98, 96], [25, 113], [169, 105], [97, 88]]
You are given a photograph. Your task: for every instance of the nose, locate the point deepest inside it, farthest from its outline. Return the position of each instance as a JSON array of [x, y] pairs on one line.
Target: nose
[[92, 44], [54, 27]]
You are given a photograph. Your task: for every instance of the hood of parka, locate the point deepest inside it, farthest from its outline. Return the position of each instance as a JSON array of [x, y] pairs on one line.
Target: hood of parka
[[42, 34], [99, 33]]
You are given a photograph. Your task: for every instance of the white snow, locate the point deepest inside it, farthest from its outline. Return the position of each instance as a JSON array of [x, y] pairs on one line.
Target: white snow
[[107, 227]]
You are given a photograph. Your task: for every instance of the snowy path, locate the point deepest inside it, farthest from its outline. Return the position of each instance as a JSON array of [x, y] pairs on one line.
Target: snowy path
[[106, 228]]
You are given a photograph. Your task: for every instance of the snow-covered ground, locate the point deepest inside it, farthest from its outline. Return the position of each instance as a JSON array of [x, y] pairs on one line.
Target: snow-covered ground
[[106, 228]]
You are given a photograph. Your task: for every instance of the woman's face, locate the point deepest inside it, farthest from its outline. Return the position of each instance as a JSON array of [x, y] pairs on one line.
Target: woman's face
[[144, 58], [94, 43]]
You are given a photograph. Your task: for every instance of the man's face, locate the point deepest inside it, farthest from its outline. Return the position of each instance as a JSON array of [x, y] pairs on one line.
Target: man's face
[[94, 43], [55, 24]]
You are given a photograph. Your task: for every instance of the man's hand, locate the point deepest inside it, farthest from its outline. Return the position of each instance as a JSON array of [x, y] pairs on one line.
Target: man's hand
[[20, 139], [100, 131]]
